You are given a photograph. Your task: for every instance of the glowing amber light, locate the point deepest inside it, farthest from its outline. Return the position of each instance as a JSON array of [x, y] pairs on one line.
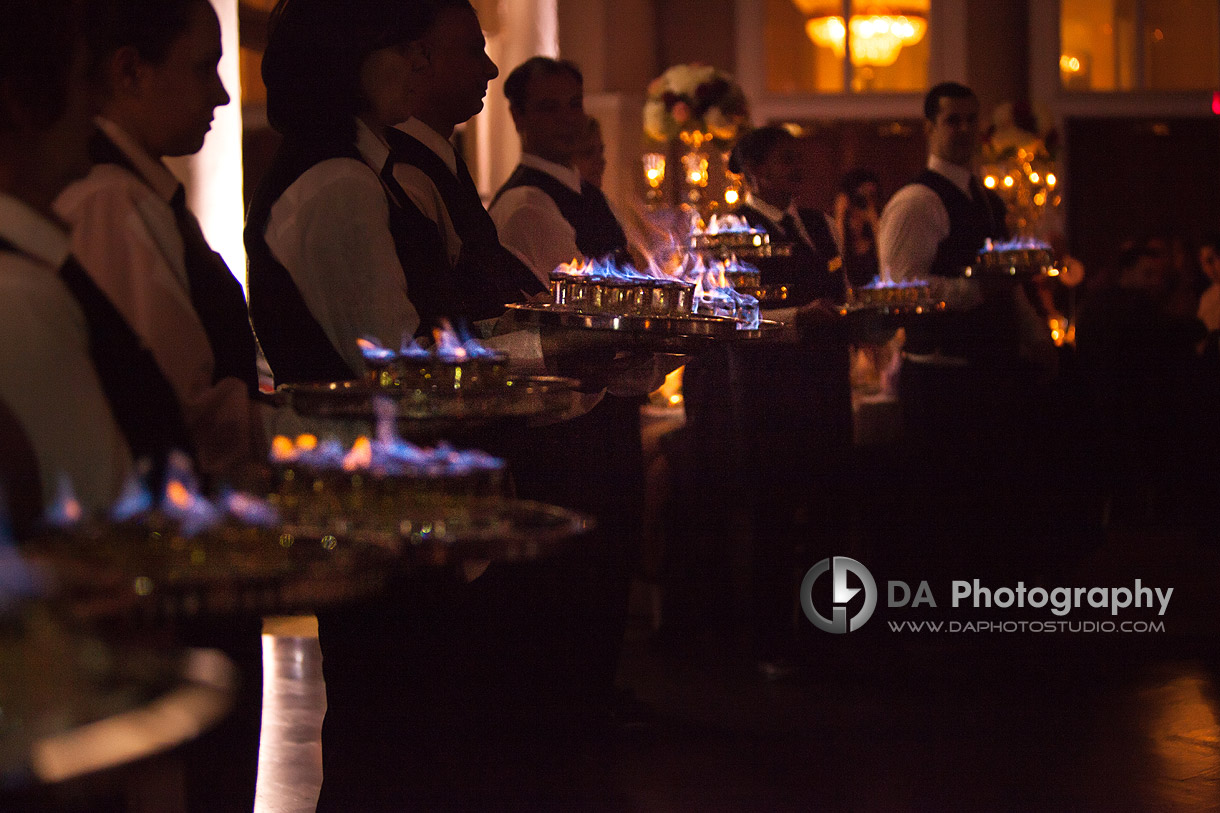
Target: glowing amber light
[[989, 182], [1008, 181], [1050, 179], [281, 449], [1034, 177], [654, 169], [876, 39], [1069, 64], [730, 196], [307, 442], [177, 494], [360, 457]]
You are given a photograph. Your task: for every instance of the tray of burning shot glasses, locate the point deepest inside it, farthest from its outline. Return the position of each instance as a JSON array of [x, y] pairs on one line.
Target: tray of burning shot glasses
[[681, 310], [455, 383], [424, 505]]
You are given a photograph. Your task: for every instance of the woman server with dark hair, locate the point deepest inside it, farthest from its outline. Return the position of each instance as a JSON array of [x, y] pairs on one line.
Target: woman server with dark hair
[[132, 230], [336, 248], [138, 241]]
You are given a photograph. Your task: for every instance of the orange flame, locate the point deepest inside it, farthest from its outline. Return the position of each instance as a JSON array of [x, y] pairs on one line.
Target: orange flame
[[178, 494], [361, 455], [282, 450]]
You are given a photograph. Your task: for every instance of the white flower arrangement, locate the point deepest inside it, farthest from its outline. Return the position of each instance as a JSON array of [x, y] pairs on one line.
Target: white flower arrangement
[[688, 98]]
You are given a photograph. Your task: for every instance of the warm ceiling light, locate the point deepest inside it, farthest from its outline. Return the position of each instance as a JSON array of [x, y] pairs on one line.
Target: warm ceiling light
[[878, 32]]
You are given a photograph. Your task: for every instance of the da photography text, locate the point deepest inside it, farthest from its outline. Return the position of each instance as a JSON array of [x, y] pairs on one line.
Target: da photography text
[[852, 595]]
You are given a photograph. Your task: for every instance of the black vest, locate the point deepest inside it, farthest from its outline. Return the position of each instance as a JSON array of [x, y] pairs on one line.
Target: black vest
[[215, 293], [488, 275], [598, 233], [810, 272], [296, 345], [990, 331], [142, 401]]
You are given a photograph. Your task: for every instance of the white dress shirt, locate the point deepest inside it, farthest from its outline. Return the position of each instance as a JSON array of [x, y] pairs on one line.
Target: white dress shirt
[[331, 231], [531, 225], [125, 235], [912, 226], [47, 377]]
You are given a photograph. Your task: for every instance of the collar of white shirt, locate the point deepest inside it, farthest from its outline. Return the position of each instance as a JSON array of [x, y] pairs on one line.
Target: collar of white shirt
[[959, 175], [32, 232], [568, 176], [371, 146], [152, 171], [432, 140]]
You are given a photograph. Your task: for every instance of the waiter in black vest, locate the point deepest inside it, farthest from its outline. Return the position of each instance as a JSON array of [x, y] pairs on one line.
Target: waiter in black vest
[[968, 378], [545, 213]]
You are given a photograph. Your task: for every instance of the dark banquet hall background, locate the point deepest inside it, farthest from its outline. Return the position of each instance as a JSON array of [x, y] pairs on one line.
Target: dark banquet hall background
[[790, 405]]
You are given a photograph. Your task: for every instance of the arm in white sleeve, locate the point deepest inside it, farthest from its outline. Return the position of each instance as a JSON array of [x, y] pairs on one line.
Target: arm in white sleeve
[[532, 227], [330, 229], [127, 239], [911, 229]]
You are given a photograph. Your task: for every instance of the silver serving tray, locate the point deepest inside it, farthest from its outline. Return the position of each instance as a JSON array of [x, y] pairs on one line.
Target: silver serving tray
[[460, 529], [893, 309], [551, 315], [1018, 271], [516, 397], [766, 329]]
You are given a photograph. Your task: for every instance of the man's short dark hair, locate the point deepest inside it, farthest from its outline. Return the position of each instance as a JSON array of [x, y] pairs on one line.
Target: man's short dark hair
[[149, 26], [753, 148], [38, 41], [516, 86], [945, 90]]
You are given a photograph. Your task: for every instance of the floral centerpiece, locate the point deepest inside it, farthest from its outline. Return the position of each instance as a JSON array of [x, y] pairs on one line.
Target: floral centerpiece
[[1019, 164], [694, 98]]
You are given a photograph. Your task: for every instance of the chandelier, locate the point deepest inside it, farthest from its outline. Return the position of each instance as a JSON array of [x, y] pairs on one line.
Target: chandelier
[[878, 32]]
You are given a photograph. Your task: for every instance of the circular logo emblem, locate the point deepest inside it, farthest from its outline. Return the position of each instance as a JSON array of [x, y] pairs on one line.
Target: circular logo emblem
[[839, 566]]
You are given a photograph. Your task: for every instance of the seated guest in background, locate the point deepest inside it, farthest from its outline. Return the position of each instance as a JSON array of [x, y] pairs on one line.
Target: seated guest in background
[[857, 205], [131, 228], [1144, 384], [1209, 302], [545, 212], [74, 375]]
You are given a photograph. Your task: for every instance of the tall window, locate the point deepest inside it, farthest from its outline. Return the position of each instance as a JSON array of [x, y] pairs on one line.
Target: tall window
[[1116, 45], [858, 46]]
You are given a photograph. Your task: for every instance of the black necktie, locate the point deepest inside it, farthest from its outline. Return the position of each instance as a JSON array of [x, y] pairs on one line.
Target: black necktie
[[142, 400], [981, 199], [218, 300], [789, 227]]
